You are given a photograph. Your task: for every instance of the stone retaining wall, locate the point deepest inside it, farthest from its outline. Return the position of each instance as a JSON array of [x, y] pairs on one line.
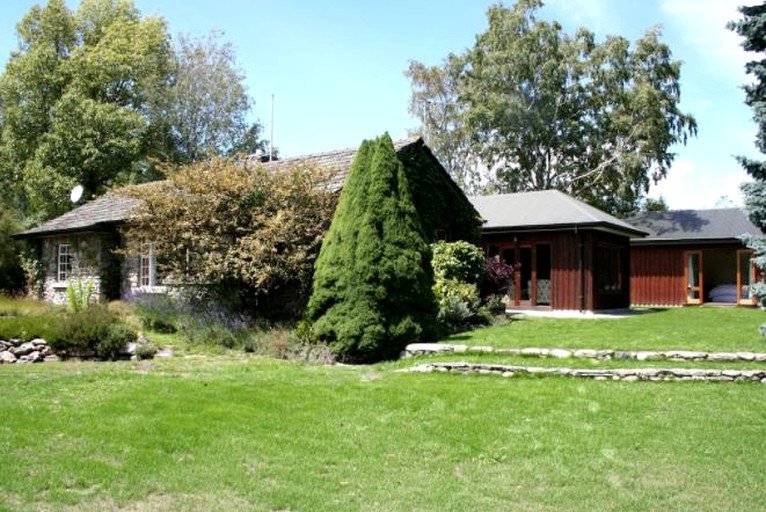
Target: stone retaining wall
[[419, 349], [16, 351], [623, 374]]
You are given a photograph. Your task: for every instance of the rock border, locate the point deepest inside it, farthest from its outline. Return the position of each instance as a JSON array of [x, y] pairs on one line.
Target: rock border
[[420, 349], [34, 351], [621, 374]]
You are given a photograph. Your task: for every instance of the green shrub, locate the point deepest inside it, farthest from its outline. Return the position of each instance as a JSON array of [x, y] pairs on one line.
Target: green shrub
[[459, 261], [93, 331], [146, 351], [79, 293], [158, 312]]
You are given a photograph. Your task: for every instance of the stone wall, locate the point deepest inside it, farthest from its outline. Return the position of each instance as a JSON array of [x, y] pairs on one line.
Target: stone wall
[[419, 349], [16, 351], [87, 260], [622, 374]]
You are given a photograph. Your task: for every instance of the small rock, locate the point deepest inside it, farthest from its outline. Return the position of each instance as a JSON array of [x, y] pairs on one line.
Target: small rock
[[722, 356], [39, 342], [746, 356], [647, 356], [560, 353], [15, 342], [23, 349], [623, 355], [7, 357], [585, 354]]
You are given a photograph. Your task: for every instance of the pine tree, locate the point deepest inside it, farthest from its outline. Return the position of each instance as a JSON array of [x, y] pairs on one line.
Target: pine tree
[[372, 282]]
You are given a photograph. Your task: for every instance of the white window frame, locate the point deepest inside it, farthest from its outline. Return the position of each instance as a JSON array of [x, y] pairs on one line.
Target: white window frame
[[147, 268], [63, 262]]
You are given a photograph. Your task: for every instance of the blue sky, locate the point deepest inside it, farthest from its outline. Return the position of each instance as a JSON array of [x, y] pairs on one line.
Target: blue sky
[[335, 68]]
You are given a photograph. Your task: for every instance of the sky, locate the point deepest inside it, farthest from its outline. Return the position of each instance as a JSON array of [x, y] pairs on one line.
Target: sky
[[335, 68]]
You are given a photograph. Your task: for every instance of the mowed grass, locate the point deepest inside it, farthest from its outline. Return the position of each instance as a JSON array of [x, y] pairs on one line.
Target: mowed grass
[[695, 328], [257, 434]]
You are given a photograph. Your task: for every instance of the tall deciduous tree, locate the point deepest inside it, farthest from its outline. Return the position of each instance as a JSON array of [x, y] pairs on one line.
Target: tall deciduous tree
[[543, 109], [74, 98], [207, 105], [372, 284]]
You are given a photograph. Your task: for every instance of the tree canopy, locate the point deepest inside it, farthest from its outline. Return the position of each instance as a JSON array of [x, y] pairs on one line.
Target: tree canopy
[[372, 284], [98, 95], [73, 99], [530, 107]]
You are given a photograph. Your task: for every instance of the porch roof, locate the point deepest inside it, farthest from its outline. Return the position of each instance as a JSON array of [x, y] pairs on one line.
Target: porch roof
[[545, 210]]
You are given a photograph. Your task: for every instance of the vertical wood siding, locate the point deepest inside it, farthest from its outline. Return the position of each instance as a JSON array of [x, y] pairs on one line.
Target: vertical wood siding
[[657, 276]]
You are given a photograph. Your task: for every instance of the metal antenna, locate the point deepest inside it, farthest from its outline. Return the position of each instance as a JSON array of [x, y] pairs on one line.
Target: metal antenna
[[271, 137]]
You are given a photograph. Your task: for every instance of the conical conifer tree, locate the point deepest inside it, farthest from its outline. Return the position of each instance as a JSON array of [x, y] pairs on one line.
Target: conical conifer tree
[[372, 289]]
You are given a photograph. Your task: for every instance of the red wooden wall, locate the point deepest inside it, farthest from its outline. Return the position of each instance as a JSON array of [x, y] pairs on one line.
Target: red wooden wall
[[657, 276]]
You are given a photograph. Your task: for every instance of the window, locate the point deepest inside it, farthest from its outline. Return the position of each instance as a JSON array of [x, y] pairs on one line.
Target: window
[[147, 268], [608, 269], [64, 267]]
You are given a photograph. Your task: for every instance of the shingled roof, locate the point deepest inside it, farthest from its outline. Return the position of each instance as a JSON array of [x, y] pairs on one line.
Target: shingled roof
[[339, 160], [94, 215], [720, 225], [113, 207], [545, 209]]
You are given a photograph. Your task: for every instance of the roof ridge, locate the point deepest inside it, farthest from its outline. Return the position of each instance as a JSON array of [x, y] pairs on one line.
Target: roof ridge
[[398, 143]]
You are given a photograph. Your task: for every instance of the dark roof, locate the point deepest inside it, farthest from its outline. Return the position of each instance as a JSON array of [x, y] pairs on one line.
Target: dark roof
[[680, 226], [106, 210], [544, 210], [113, 207]]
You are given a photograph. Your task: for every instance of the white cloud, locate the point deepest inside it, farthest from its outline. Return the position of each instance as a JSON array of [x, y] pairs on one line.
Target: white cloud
[[583, 12], [702, 24], [687, 187]]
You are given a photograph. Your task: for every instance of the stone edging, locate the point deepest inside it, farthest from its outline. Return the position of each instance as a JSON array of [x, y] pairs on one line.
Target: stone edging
[[35, 351], [623, 374], [419, 349]]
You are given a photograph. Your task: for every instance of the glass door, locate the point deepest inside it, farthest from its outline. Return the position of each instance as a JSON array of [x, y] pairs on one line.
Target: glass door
[[745, 277], [693, 277]]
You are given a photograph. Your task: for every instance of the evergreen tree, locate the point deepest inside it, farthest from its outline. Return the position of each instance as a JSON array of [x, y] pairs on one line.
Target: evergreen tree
[[752, 27], [372, 283]]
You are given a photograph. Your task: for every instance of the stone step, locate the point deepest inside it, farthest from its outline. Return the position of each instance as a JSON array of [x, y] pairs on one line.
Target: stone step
[[419, 349]]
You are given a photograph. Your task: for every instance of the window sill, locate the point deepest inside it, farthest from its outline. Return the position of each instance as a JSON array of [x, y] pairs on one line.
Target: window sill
[[157, 289]]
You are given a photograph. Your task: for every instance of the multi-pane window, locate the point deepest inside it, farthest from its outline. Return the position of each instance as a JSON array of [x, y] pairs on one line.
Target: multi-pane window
[[608, 269], [147, 268], [64, 268]]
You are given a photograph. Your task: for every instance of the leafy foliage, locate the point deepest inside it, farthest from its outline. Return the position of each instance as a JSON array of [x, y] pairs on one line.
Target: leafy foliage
[[540, 109], [372, 286], [460, 261], [207, 104], [11, 271], [235, 226], [74, 99], [79, 293], [92, 331], [498, 276]]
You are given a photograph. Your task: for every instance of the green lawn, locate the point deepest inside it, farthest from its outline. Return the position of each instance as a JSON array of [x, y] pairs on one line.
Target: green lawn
[[707, 328], [256, 434]]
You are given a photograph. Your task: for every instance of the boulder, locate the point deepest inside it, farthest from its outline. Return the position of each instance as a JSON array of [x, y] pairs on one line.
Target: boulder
[[23, 349], [6, 357]]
